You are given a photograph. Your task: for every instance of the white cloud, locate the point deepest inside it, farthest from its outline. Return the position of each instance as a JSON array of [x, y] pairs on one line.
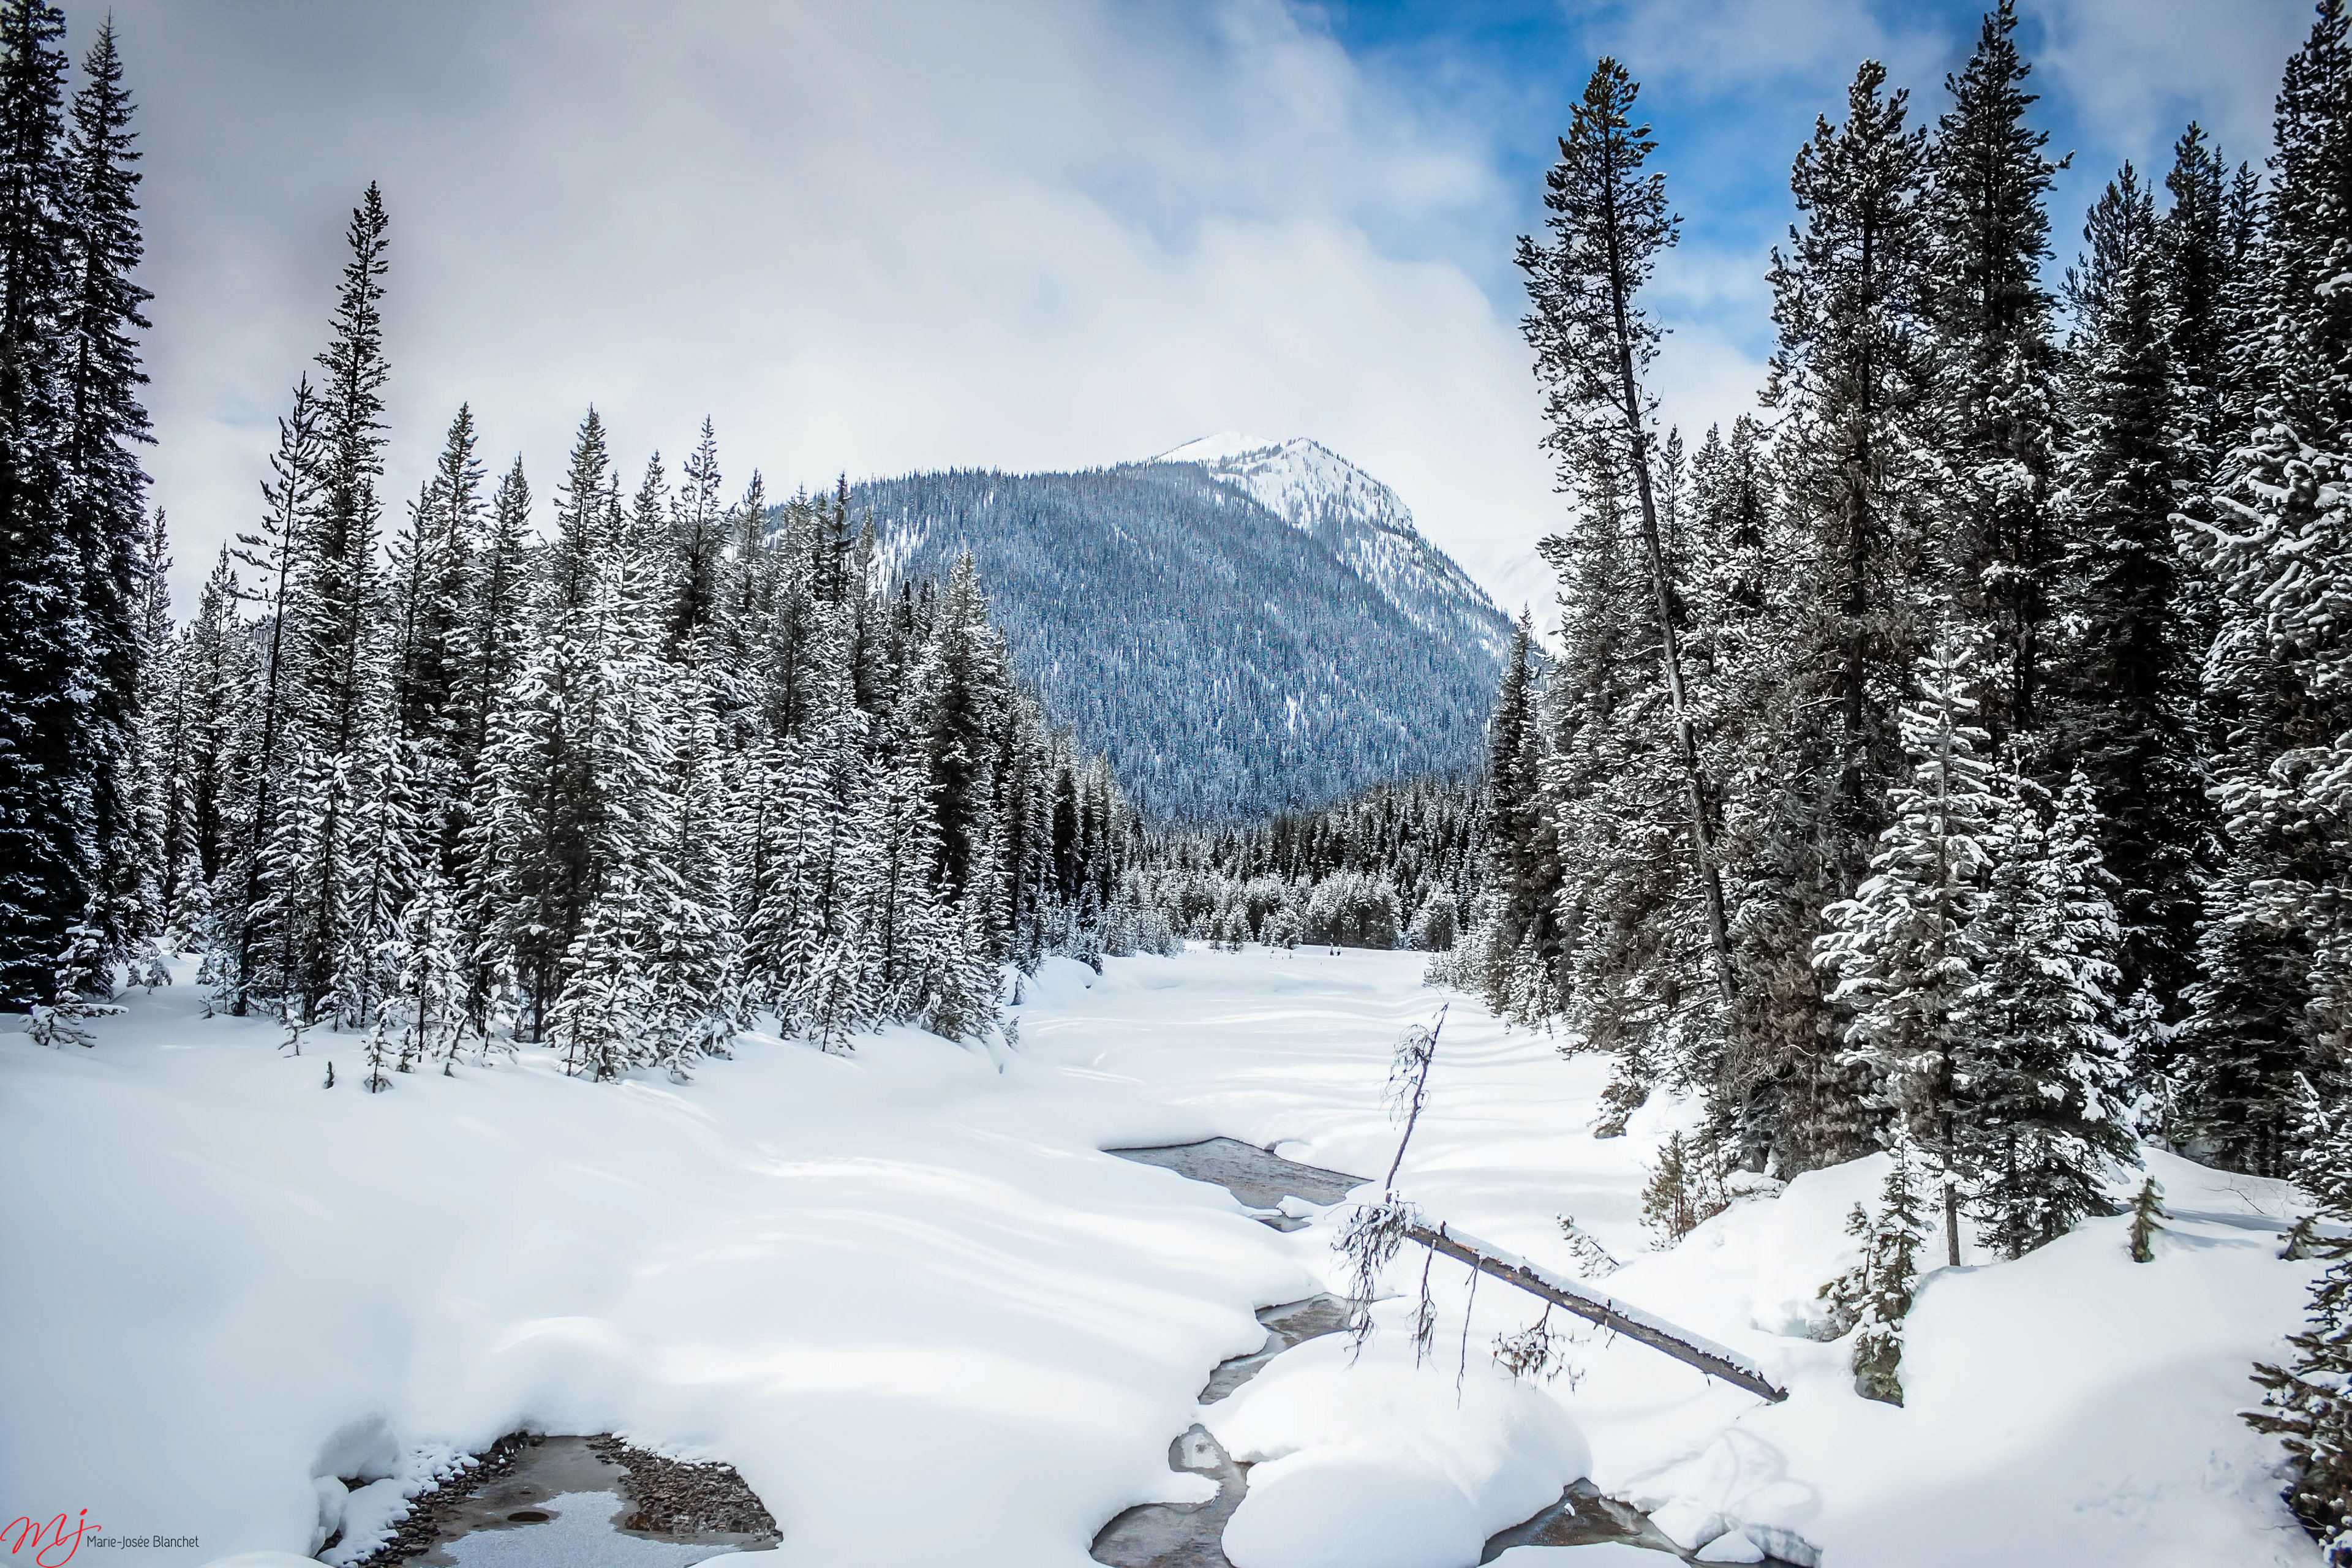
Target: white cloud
[[2135, 71], [861, 238], [1029, 234]]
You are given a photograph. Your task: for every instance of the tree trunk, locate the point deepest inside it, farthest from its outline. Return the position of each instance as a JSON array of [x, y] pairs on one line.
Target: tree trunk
[[1669, 642], [1617, 1317]]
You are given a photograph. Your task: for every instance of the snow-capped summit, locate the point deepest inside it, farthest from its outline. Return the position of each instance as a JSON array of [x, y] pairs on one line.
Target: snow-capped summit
[[1216, 448], [1359, 520]]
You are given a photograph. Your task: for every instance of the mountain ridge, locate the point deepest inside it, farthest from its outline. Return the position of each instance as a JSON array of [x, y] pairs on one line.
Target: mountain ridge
[[1230, 658], [1359, 519]]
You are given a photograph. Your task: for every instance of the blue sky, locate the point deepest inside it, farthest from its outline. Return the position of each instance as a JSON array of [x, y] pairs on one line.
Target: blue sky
[[1729, 118], [1026, 233]]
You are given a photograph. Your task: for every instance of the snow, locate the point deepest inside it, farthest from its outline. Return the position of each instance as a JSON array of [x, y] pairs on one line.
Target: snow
[[1733, 1546], [905, 1294], [1362, 521], [1386, 1464], [1216, 448]]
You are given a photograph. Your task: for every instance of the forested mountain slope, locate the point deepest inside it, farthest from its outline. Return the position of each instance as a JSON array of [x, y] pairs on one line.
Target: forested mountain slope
[[1228, 660]]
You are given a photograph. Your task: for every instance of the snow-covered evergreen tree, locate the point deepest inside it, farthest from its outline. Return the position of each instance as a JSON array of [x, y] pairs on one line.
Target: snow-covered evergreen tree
[[2041, 1060], [53, 734], [1904, 951], [2124, 670], [1853, 373], [1594, 342], [2272, 1002], [1992, 319], [2307, 1403], [103, 422]]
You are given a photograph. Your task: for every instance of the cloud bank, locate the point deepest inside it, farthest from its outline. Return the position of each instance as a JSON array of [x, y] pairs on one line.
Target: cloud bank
[[1034, 233]]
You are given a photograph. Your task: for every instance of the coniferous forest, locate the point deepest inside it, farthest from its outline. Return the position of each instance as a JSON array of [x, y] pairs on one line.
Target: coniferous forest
[[1954, 755], [1951, 759], [417, 774]]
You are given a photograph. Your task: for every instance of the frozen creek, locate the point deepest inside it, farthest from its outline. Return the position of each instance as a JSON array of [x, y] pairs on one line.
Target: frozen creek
[[1178, 1535], [561, 1499]]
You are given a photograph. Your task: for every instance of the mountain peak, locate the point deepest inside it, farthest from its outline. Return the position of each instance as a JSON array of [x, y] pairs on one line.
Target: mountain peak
[[1222, 446], [1361, 521]]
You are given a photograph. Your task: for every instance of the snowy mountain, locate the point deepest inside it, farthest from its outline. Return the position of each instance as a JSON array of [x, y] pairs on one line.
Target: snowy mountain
[[1359, 520], [1240, 627]]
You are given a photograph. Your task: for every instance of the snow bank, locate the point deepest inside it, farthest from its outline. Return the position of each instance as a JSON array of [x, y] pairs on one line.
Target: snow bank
[[906, 1296], [1386, 1464], [902, 1292]]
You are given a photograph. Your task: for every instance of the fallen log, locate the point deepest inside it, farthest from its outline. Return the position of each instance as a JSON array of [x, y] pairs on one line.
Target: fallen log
[[1708, 1357]]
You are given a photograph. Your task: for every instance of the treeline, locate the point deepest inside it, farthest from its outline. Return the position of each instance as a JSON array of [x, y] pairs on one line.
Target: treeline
[[677, 769], [1396, 866], [1958, 753]]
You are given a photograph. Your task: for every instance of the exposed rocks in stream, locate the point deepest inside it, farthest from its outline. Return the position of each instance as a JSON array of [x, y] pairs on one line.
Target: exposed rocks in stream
[[514, 1484]]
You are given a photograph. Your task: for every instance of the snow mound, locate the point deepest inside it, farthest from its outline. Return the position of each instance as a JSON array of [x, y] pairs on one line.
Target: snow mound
[[1381, 1465]]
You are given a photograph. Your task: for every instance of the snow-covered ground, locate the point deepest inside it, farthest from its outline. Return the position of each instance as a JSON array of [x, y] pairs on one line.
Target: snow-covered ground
[[906, 1296]]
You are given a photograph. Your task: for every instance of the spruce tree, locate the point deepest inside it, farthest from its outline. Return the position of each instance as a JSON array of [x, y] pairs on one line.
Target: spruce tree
[[1992, 321], [1906, 950], [48, 719], [212, 682], [1854, 375], [278, 552], [2307, 1403], [157, 796], [959, 696], [1512, 955], [2306, 319], [2197, 269], [700, 526], [432, 567], [339, 608], [337, 871], [2273, 992], [105, 488], [2125, 672], [1594, 343], [691, 952], [1638, 972], [2041, 1055]]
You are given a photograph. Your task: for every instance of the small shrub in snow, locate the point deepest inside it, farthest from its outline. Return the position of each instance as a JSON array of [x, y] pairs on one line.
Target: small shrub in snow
[[1844, 1296], [1627, 1092], [1593, 1259], [1874, 1295], [1684, 1191], [1892, 1261], [2148, 1208], [79, 978]]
